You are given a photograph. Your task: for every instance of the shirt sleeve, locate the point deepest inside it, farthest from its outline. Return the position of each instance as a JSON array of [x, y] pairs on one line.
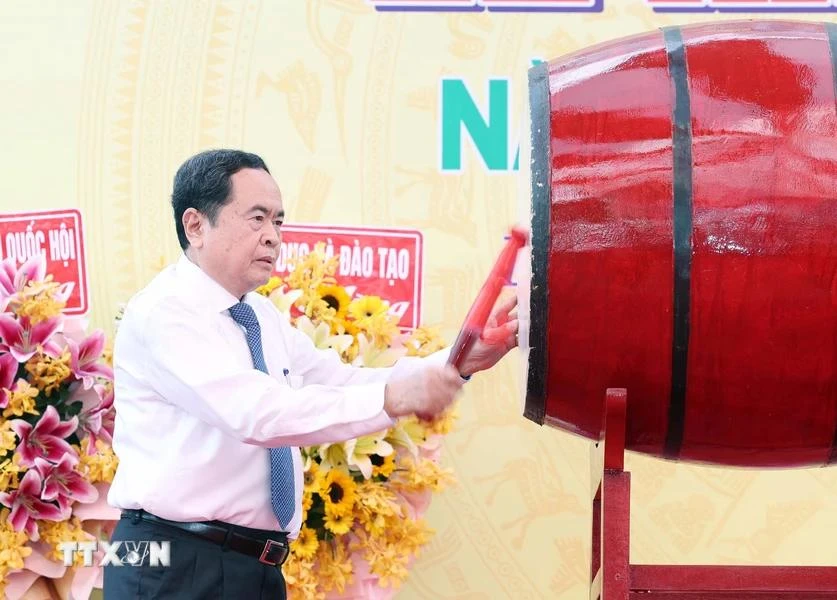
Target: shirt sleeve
[[189, 364], [325, 366], [323, 369]]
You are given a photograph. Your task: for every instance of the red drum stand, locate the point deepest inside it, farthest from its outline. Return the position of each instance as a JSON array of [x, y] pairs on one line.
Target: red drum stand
[[614, 577]]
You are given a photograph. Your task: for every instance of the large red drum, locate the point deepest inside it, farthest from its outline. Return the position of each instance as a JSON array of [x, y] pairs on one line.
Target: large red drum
[[684, 242]]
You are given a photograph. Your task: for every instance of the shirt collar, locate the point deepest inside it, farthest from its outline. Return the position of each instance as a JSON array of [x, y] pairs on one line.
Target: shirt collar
[[202, 288]]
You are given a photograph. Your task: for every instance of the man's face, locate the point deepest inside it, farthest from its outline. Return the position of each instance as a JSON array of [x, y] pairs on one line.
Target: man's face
[[240, 250]]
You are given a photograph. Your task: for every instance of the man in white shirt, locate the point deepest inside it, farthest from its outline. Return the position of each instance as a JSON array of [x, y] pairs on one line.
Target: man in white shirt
[[210, 412]]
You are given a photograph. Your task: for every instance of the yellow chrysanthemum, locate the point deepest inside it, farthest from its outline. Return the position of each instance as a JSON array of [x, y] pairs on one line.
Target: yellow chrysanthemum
[[382, 466], [443, 423], [10, 471], [300, 577], [306, 544], [308, 272], [376, 506], [99, 466], [424, 341], [334, 566], [387, 561], [21, 400], [383, 332], [272, 283], [13, 548], [37, 301], [47, 373], [407, 535], [338, 522], [421, 475], [366, 307], [8, 438], [338, 491], [54, 532]]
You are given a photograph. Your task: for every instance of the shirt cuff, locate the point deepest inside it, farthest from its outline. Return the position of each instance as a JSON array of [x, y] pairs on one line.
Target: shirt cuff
[[441, 357], [366, 403]]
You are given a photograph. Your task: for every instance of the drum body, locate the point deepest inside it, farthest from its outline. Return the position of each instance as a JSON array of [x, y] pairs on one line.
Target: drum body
[[684, 242]]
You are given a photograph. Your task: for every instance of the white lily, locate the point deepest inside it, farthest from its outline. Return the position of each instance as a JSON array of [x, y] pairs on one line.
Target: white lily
[[371, 356], [321, 335], [284, 300], [333, 456], [359, 450]]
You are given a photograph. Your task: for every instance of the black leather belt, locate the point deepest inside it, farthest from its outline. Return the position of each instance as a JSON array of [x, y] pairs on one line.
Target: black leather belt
[[270, 547]]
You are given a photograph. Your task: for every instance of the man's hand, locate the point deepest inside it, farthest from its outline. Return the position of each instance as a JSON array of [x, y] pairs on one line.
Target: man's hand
[[498, 337], [425, 393]]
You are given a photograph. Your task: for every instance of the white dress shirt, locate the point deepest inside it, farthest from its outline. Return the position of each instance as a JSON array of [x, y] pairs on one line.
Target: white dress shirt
[[194, 418]]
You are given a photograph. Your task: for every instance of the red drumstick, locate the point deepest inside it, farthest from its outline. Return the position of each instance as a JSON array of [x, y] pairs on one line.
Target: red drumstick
[[477, 317]]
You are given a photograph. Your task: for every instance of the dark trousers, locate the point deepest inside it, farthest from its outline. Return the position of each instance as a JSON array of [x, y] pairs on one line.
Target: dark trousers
[[199, 569]]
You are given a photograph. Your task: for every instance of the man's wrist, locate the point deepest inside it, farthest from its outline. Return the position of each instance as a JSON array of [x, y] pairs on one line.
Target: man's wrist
[[393, 404]]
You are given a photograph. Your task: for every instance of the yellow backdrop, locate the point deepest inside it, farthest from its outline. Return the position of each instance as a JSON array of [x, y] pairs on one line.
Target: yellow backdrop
[[103, 100]]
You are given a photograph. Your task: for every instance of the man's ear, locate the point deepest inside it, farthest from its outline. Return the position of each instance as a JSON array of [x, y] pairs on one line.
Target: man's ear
[[194, 225]]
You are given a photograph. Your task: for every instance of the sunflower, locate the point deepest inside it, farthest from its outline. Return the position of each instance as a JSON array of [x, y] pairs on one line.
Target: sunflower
[[367, 307], [338, 491], [306, 544], [382, 465], [337, 523], [336, 297]]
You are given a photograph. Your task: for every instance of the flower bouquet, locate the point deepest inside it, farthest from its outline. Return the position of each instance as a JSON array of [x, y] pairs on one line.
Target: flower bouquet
[[363, 499], [56, 422]]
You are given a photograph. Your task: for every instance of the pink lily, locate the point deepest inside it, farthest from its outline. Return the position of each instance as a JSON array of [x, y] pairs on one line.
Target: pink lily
[[84, 359], [13, 280], [45, 439], [63, 292], [63, 483], [8, 372], [21, 338], [7, 281], [97, 416], [33, 269], [27, 505]]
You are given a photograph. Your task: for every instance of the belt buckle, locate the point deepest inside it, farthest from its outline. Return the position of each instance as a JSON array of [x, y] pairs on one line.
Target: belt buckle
[[274, 553]]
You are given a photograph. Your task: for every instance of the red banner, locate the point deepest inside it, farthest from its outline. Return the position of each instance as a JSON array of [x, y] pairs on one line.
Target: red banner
[[58, 235], [385, 262]]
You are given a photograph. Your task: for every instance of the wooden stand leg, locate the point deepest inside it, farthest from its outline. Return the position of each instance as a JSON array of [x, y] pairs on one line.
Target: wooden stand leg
[[610, 565], [613, 577]]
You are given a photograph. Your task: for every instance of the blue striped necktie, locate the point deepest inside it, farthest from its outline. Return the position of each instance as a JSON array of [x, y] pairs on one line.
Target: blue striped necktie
[[281, 461]]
